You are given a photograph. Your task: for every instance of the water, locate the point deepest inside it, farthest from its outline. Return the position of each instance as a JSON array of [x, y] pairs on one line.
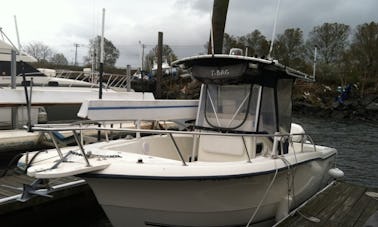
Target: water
[[356, 142]]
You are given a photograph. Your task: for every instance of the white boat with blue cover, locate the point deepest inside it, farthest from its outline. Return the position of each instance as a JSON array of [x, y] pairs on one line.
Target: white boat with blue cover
[[245, 161]]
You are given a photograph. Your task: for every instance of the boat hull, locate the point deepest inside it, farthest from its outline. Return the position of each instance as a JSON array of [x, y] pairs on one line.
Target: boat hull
[[206, 201]]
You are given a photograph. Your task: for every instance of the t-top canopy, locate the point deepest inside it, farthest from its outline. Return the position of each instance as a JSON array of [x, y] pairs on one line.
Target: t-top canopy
[[234, 69]]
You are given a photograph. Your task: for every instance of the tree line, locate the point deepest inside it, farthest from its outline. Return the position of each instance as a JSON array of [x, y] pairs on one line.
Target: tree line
[[44, 54], [344, 55]]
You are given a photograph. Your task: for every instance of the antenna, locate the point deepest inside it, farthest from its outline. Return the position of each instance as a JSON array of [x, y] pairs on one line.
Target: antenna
[[18, 36], [314, 67], [274, 28]]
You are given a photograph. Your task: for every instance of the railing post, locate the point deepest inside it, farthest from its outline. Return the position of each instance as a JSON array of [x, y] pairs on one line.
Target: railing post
[[177, 149], [138, 127], [81, 147], [56, 145], [128, 77], [246, 150], [253, 152], [276, 140]]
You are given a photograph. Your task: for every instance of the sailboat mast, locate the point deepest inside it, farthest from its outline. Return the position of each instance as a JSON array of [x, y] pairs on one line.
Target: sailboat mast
[[18, 36], [102, 53]]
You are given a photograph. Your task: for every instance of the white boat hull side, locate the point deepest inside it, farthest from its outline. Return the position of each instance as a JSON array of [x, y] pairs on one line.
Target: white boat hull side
[[204, 202]]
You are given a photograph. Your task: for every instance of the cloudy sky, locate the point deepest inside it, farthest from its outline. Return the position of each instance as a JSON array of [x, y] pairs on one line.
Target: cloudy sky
[[185, 23]]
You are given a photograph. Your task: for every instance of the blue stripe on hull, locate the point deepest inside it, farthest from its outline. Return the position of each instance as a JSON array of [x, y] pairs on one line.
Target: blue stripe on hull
[[139, 107]]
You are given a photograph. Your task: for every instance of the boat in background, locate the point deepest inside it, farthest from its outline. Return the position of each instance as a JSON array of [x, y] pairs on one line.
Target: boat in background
[[244, 162], [53, 99]]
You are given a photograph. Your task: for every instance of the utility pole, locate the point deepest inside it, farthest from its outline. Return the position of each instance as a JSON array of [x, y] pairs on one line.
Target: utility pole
[[76, 46]]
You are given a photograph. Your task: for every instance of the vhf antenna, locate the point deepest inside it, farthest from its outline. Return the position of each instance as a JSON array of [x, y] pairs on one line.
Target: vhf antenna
[[274, 29]]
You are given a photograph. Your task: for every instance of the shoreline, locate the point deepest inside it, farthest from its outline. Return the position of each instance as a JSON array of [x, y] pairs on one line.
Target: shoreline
[[348, 112]]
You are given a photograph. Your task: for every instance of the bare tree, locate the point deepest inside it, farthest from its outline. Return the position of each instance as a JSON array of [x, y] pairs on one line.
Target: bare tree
[[59, 59], [331, 40], [39, 50], [364, 54], [289, 48], [256, 42], [230, 41]]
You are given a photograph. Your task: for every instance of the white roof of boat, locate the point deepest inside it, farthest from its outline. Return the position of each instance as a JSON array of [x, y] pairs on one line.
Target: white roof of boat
[[204, 56], [288, 70], [5, 51]]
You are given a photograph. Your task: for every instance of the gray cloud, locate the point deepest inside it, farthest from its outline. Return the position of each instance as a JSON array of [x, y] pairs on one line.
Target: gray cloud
[[185, 23], [303, 14]]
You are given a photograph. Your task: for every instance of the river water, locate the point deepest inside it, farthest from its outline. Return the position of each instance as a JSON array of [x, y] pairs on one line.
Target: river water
[[355, 141]]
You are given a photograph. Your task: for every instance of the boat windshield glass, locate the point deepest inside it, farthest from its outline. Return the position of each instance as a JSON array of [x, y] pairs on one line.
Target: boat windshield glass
[[230, 107]]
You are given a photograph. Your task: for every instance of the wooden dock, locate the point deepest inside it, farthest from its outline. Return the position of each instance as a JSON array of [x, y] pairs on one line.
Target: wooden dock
[[11, 187], [341, 204], [73, 204]]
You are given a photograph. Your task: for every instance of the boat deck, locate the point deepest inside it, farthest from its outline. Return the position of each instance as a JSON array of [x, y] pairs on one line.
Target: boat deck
[[342, 204]]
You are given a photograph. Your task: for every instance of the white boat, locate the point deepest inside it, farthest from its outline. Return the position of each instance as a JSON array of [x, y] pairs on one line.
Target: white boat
[[245, 161], [52, 99]]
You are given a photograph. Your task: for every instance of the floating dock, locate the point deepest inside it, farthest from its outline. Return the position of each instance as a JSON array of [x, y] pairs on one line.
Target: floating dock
[[72, 204], [19, 139], [11, 188], [341, 204]]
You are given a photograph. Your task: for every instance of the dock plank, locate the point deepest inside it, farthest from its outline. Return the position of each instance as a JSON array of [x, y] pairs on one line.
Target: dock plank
[[342, 204], [340, 216], [12, 184], [332, 205], [354, 214], [320, 206], [13, 181], [5, 192], [17, 180], [370, 209]]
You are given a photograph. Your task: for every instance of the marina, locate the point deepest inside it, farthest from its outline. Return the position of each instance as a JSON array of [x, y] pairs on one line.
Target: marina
[[210, 139]]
